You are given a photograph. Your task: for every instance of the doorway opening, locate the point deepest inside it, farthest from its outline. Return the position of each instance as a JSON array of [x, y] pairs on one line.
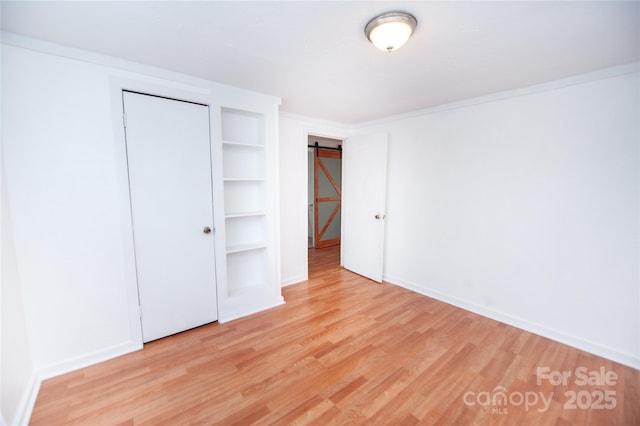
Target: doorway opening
[[324, 191]]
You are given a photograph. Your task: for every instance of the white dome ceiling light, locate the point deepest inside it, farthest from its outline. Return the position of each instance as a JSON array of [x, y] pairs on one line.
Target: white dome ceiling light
[[391, 30]]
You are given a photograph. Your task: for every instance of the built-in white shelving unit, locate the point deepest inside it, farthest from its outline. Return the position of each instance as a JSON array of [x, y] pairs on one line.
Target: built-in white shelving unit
[[249, 280]]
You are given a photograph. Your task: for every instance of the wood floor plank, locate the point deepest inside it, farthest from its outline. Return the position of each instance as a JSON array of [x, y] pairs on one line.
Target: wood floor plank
[[342, 350]]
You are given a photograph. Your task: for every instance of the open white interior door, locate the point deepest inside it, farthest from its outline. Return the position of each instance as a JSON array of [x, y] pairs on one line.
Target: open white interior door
[[364, 185]]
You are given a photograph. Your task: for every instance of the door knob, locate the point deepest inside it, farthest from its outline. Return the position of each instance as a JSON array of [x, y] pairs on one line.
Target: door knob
[[206, 230], [379, 216]]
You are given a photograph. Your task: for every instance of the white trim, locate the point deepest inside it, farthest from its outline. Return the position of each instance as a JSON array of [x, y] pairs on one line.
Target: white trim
[[88, 359], [38, 45], [311, 218], [149, 71], [628, 359], [274, 174], [499, 96], [295, 280], [233, 314], [27, 402], [169, 90], [638, 245], [316, 122], [317, 128], [122, 177], [30, 394], [16, 40]]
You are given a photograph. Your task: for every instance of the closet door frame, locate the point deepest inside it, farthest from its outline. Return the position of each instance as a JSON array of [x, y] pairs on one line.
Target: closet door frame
[[117, 86], [217, 97]]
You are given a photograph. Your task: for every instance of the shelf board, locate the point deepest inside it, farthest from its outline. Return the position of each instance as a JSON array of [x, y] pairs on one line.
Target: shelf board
[[243, 144], [245, 247], [244, 214]]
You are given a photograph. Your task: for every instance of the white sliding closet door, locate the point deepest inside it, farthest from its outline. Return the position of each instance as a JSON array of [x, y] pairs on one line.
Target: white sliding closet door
[[169, 159]]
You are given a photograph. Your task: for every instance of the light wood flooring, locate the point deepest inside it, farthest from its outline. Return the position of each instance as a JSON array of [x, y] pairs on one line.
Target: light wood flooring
[[344, 350]]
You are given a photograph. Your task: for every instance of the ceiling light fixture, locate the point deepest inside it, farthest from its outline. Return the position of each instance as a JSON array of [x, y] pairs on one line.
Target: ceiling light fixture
[[391, 30]]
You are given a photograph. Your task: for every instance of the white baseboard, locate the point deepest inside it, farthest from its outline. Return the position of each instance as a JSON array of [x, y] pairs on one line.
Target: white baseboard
[[89, 359], [294, 280], [627, 359], [233, 314], [27, 402]]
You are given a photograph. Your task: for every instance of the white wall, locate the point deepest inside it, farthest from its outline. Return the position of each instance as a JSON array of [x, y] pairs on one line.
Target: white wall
[[293, 190], [58, 147], [525, 209], [551, 180], [64, 171], [522, 206], [17, 368]]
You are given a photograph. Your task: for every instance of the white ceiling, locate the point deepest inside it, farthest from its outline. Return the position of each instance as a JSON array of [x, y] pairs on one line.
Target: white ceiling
[[316, 57]]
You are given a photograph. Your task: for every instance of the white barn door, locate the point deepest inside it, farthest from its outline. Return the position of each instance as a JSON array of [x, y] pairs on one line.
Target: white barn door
[[364, 188], [169, 160]]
